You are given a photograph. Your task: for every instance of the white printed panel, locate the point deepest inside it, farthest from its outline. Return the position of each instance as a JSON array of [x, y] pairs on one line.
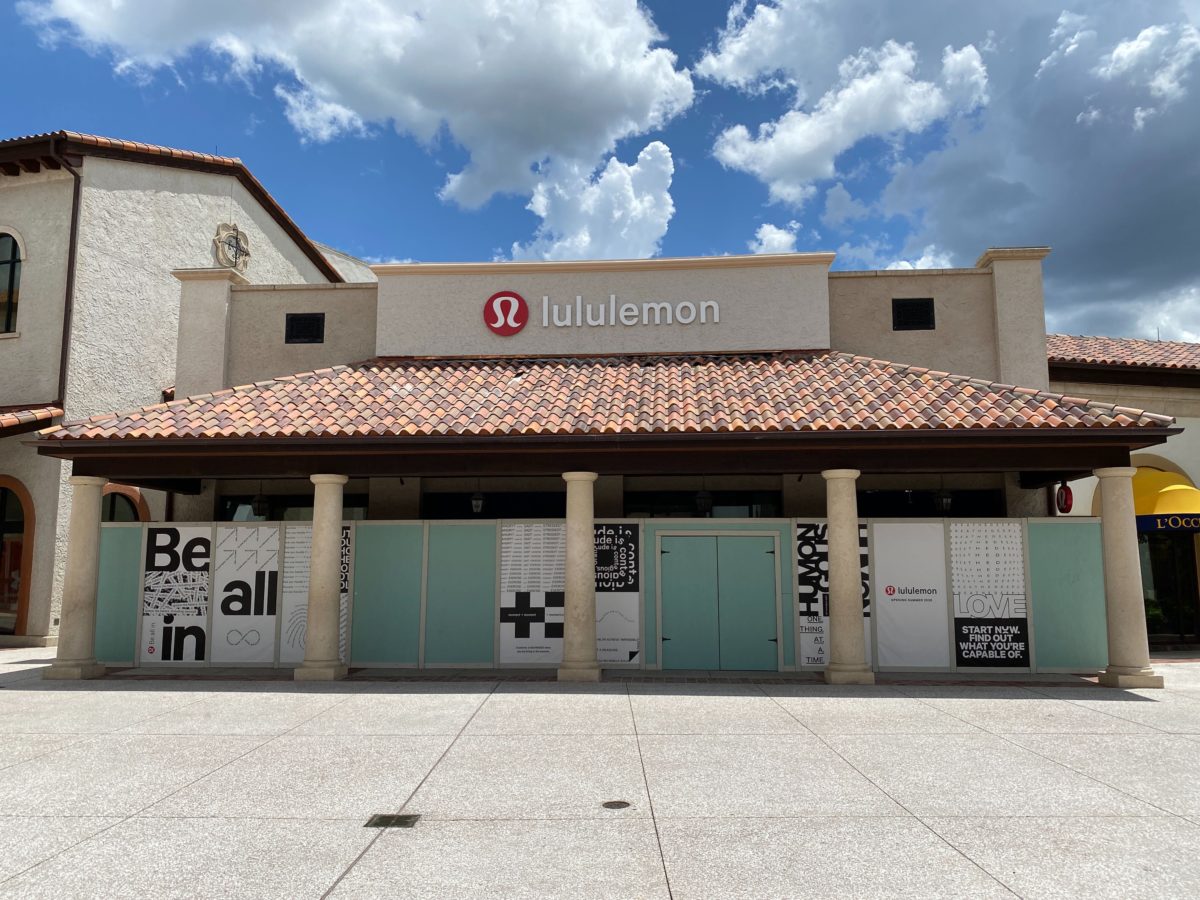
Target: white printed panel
[[991, 612], [246, 593], [912, 615], [532, 596], [812, 592], [175, 594], [297, 548], [618, 601]]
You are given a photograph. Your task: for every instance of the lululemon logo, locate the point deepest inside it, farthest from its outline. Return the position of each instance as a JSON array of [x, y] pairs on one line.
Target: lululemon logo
[[505, 313], [890, 590]]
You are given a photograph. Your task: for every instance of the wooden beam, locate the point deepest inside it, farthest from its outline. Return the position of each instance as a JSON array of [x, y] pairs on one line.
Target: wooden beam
[[30, 165], [10, 168], [51, 163]]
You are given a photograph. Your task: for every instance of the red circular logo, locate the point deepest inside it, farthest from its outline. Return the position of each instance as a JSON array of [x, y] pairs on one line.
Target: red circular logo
[[890, 590], [505, 313], [1064, 499]]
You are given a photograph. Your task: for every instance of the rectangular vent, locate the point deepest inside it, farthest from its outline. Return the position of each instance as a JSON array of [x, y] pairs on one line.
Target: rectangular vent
[[304, 328], [390, 820], [912, 314]]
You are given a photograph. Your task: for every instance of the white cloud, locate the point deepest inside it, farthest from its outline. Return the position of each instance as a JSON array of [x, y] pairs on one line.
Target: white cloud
[[517, 84], [1069, 35], [761, 51], [773, 239], [876, 95], [930, 258], [620, 213], [840, 207], [1158, 61]]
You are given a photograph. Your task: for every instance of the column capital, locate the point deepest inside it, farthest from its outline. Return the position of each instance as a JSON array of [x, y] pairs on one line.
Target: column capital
[[93, 480], [1115, 472], [830, 474], [579, 476], [328, 479]]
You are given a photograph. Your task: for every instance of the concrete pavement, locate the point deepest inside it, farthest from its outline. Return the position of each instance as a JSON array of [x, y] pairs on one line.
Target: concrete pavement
[[131, 788]]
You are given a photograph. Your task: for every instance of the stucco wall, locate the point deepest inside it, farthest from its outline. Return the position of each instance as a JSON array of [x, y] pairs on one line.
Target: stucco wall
[[765, 304], [963, 341], [138, 222], [38, 208], [352, 269], [256, 330]]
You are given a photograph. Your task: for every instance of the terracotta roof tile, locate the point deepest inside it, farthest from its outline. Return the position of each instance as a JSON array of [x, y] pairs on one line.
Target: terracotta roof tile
[[630, 395], [14, 417], [1105, 351]]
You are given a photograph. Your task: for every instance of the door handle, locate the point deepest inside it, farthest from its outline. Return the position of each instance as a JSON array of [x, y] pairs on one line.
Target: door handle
[[666, 639], [773, 640]]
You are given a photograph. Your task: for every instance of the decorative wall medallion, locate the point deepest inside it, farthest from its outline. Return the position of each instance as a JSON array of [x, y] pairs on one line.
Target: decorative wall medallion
[[232, 247]]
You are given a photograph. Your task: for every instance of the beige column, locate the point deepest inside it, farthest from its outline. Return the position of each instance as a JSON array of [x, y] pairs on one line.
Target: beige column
[[579, 612], [77, 627], [321, 662], [847, 652], [1125, 605]]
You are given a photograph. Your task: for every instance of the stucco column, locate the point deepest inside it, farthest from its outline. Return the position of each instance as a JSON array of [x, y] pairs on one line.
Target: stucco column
[[77, 626], [579, 612], [321, 661], [847, 651], [1124, 603]]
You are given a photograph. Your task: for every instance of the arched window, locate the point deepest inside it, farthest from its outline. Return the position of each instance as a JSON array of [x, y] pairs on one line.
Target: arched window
[[10, 282], [16, 552], [118, 508]]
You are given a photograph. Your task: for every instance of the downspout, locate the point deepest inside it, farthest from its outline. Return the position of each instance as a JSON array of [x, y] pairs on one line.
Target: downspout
[[69, 300]]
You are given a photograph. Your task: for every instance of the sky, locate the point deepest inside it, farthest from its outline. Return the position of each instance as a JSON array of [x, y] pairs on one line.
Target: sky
[[898, 134]]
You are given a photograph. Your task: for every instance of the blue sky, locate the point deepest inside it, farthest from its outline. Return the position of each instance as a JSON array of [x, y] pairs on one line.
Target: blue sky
[[896, 134]]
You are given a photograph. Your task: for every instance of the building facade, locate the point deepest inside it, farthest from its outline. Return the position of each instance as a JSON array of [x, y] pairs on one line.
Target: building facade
[[90, 232], [714, 463]]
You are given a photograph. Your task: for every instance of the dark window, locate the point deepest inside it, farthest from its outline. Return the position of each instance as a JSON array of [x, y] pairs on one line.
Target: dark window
[[495, 505], [12, 540], [954, 504], [285, 508], [118, 508], [914, 314], [10, 282], [305, 328], [703, 504]]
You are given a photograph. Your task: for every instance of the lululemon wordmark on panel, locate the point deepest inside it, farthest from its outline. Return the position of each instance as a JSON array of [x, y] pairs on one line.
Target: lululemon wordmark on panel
[[615, 312]]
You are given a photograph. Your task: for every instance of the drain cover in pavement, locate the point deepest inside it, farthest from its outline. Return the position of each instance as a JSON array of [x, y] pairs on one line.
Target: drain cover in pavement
[[615, 804], [386, 820]]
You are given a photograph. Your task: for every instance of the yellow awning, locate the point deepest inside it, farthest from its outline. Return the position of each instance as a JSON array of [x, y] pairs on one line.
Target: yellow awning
[[1159, 493]]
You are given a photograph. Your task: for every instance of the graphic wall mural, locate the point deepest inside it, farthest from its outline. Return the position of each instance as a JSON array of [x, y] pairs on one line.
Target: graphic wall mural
[[246, 593], [532, 592], [991, 610], [297, 547], [812, 591], [175, 594]]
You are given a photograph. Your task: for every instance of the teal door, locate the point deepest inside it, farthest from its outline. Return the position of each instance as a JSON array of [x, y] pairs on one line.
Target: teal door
[[746, 603], [690, 632], [460, 595], [719, 602]]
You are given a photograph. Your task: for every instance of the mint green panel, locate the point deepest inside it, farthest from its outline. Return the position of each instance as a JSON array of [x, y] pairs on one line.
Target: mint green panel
[[460, 595], [690, 632], [387, 594], [1066, 574], [746, 603], [117, 593]]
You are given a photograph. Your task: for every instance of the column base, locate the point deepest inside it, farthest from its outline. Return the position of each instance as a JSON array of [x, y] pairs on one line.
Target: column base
[[1122, 677], [319, 672], [73, 671], [849, 676], [568, 672]]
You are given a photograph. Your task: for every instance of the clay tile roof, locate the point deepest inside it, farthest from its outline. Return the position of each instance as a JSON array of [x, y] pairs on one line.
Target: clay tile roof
[[1133, 352], [820, 391], [14, 420], [93, 144]]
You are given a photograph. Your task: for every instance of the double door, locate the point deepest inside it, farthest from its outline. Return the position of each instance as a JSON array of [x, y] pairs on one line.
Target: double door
[[719, 597]]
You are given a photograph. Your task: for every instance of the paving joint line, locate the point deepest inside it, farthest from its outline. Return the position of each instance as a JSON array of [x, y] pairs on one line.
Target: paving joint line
[[437, 762], [637, 739], [1008, 740], [888, 794]]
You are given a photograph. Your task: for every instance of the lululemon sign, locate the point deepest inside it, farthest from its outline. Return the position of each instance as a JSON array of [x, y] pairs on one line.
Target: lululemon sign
[[505, 313]]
